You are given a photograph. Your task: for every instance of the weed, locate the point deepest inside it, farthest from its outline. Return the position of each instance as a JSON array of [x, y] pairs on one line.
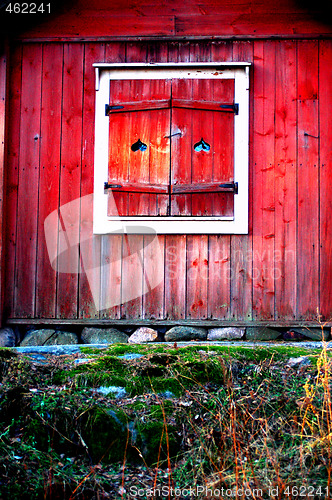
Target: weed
[[221, 417]]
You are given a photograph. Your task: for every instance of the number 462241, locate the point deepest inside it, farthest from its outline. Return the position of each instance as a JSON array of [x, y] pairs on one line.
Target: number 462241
[[28, 8]]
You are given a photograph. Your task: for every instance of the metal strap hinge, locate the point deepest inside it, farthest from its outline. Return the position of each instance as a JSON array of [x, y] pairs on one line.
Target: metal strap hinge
[[232, 185], [109, 108], [110, 186], [234, 107]]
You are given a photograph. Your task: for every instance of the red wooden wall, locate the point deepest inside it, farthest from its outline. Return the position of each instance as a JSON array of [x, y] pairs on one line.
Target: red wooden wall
[[280, 272], [104, 19]]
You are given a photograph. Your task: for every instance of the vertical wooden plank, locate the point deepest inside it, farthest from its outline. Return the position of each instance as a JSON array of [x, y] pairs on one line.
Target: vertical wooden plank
[[132, 276], [136, 52], [175, 276], [89, 283], [116, 52], [175, 245], [285, 181], [219, 246], [25, 277], [13, 149], [3, 105], [241, 245], [223, 147], [221, 51], [49, 175], [120, 134], [139, 160], [159, 146], [132, 259], [154, 276], [154, 264], [325, 133], [202, 161], [70, 177], [308, 203], [197, 245], [111, 244], [181, 145], [197, 276], [263, 181], [110, 276]]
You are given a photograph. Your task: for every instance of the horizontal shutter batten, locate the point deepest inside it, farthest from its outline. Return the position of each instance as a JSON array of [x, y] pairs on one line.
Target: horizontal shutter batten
[[207, 187], [204, 105], [125, 107], [138, 187]]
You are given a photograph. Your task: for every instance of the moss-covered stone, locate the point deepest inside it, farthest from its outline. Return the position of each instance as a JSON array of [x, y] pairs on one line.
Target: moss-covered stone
[[261, 333], [181, 333], [91, 335], [157, 442], [48, 336], [105, 432]]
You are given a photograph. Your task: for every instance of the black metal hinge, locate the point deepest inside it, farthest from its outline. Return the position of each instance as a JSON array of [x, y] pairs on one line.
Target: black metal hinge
[[233, 107], [110, 186], [109, 108], [231, 185]]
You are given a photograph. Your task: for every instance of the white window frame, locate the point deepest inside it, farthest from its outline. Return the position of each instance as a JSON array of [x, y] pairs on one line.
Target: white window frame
[[238, 224]]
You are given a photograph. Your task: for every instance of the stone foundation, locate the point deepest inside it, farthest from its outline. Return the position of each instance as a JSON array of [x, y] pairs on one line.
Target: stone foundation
[[32, 336]]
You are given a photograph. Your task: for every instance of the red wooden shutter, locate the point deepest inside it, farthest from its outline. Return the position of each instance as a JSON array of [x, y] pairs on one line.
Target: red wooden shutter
[[139, 111], [196, 175], [154, 127]]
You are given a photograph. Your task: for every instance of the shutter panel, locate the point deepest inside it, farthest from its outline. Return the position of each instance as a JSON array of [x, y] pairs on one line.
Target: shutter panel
[[171, 141], [139, 111], [197, 114]]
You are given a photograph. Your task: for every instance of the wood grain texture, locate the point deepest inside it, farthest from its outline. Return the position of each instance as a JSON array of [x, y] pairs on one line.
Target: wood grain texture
[[132, 256], [70, 178], [257, 24], [140, 173], [12, 161], [27, 208], [185, 19], [219, 271], [285, 181], [111, 245], [154, 245], [153, 276], [3, 105], [239, 278], [307, 181], [90, 267], [197, 245], [197, 276], [325, 133], [241, 245], [49, 176], [175, 245], [263, 180]]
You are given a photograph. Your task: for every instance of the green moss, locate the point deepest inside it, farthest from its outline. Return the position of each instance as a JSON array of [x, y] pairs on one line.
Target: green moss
[[157, 442], [106, 434], [163, 358]]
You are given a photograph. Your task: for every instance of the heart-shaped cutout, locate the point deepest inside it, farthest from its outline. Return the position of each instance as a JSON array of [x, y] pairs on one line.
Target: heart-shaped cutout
[[138, 146], [202, 146]]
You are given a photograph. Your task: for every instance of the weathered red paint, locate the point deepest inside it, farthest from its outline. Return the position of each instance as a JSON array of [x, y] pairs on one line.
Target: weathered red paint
[[144, 18], [280, 272]]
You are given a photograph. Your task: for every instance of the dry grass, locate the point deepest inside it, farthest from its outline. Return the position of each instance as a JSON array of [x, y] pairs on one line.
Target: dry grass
[[240, 424]]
